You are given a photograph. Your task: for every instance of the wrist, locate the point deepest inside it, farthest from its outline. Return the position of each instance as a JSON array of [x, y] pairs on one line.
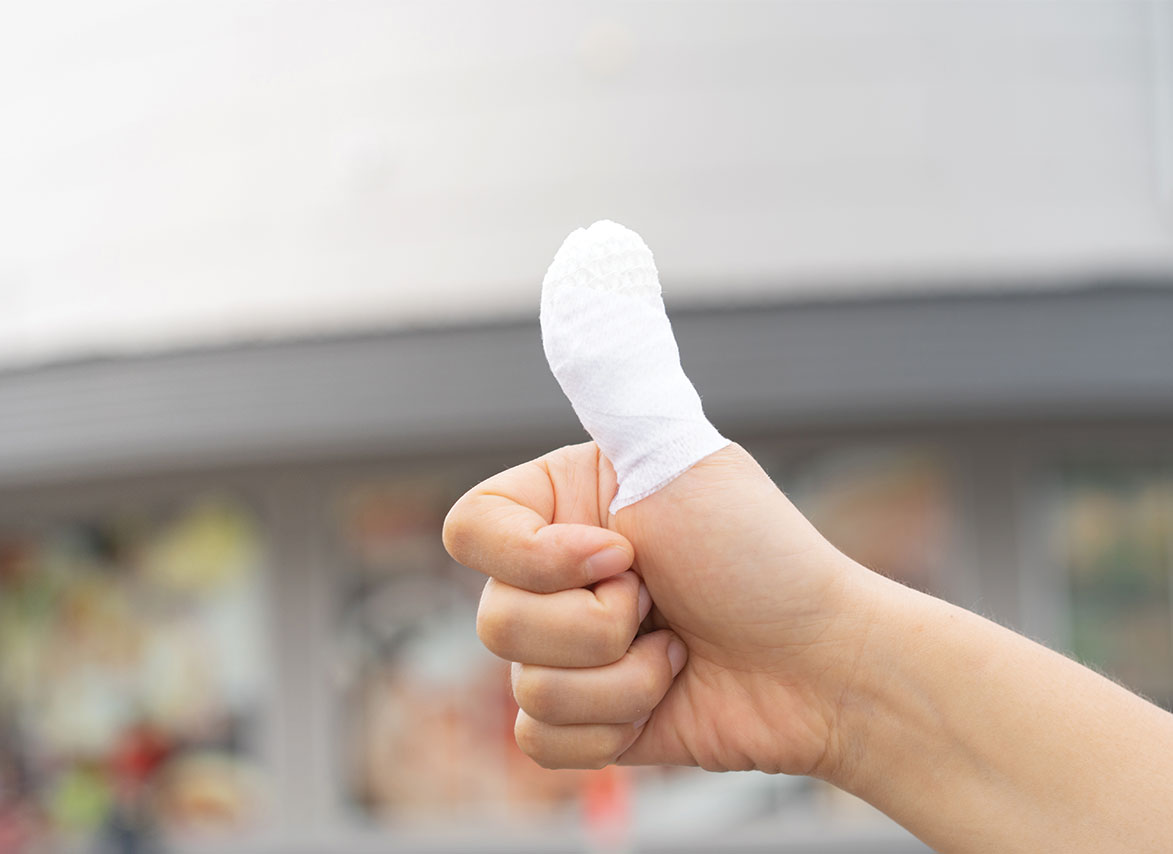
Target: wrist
[[822, 664], [877, 618], [890, 701]]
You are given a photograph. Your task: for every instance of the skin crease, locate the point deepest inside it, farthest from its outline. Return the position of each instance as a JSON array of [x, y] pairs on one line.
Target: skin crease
[[794, 659]]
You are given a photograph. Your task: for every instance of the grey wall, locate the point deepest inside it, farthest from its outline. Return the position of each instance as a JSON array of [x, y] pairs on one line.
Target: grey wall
[[1102, 353]]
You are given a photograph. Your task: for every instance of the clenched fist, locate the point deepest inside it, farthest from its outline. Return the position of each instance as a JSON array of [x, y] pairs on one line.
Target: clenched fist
[[704, 625]]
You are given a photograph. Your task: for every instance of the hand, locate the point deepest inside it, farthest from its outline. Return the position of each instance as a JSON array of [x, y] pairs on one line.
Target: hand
[[751, 639], [798, 661]]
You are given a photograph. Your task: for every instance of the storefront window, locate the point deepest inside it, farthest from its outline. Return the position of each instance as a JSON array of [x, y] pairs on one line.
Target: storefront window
[[131, 660], [1112, 534], [891, 509]]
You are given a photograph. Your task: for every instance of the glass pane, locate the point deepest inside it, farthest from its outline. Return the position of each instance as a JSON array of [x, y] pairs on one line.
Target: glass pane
[[891, 509], [1112, 531], [130, 672]]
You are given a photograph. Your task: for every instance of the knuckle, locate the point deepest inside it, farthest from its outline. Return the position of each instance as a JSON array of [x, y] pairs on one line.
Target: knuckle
[[536, 582], [530, 578], [548, 762], [551, 762], [607, 747], [615, 640], [456, 533], [596, 649], [607, 637], [494, 628], [617, 743], [532, 567], [602, 648], [533, 692], [531, 742], [525, 560], [524, 736], [648, 684], [597, 763]]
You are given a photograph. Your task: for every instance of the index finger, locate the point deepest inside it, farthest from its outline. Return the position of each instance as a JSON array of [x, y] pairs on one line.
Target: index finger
[[505, 528]]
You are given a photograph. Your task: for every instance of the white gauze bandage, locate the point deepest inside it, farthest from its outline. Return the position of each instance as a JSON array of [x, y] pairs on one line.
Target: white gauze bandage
[[611, 348]]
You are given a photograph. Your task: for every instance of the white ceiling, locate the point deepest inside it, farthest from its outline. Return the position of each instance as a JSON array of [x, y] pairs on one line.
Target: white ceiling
[[190, 172]]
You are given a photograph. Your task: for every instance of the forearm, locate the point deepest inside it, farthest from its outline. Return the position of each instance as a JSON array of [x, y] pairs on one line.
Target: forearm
[[977, 739]]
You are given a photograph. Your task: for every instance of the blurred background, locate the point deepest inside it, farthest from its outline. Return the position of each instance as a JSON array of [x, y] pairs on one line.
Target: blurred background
[[269, 277]]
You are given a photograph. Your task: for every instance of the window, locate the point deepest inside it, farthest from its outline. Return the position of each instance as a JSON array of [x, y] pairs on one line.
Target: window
[[1111, 530], [890, 508], [131, 665]]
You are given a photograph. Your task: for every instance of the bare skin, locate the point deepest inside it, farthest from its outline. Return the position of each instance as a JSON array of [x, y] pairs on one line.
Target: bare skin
[[768, 649]]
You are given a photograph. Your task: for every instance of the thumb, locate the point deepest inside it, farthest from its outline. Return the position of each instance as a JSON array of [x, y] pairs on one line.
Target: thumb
[[610, 346]]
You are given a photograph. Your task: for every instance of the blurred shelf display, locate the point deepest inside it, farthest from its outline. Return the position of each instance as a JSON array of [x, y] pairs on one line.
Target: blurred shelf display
[[243, 661], [132, 655], [1112, 538]]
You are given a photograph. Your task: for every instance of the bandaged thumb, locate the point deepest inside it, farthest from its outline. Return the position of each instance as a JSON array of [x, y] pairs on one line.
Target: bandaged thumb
[[611, 348]]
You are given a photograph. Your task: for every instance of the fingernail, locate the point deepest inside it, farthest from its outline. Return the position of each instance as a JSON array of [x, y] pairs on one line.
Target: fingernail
[[610, 561], [641, 721], [514, 674], [677, 655], [645, 601]]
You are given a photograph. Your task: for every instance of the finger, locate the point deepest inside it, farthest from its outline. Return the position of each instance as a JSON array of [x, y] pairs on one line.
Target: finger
[[571, 628], [576, 746], [506, 528], [616, 693]]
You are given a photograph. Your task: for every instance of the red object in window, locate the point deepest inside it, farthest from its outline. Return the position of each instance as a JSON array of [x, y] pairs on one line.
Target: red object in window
[[139, 753], [606, 808]]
